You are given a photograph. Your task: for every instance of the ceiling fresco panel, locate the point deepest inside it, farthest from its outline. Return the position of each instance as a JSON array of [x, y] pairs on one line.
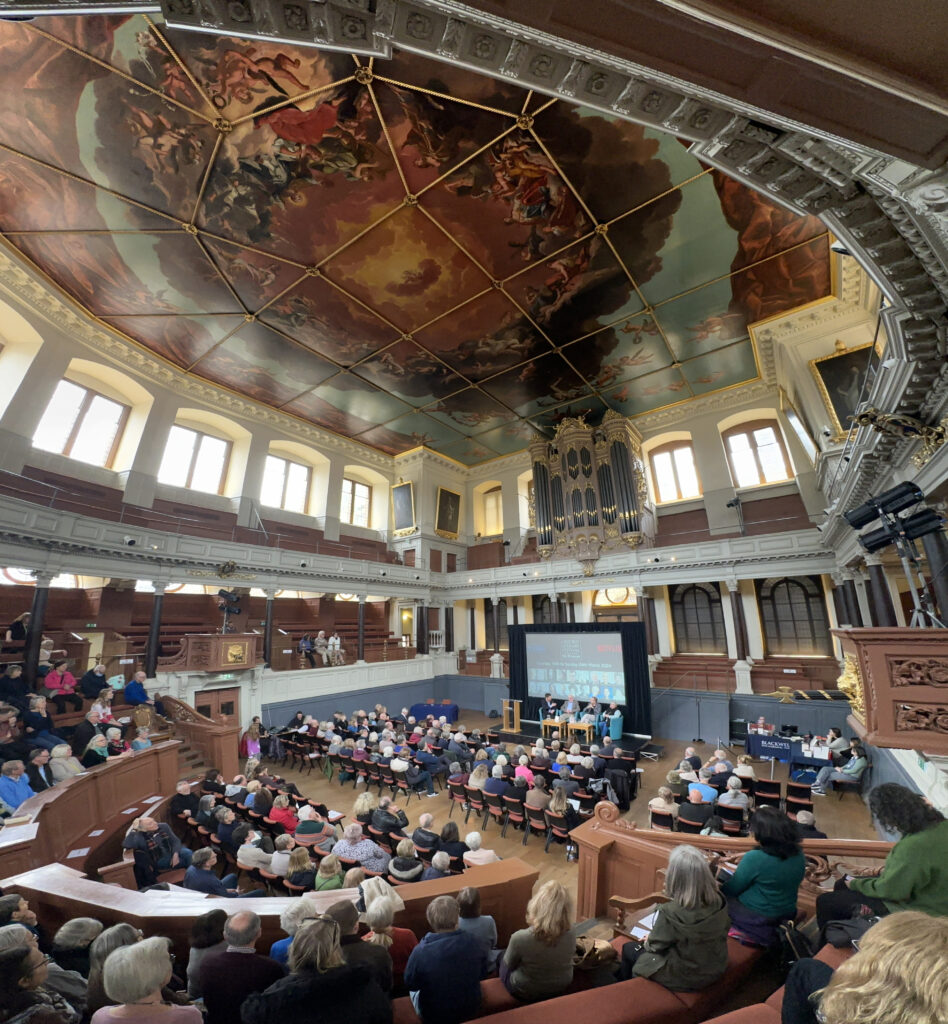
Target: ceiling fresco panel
[[705, 319], [107, 272], [180, 339], [653, 391], [255, 278], [409, 432], [483, 337], [470, 411], [509, 438], [621, 352], [321, 317], [469, 450], [723, 368], [258, 362], [410, 373], [358, 400], [589, 408], [537, 385]]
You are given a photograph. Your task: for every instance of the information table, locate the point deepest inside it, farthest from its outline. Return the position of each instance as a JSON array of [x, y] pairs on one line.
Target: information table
[[766, 747], [421, 711]]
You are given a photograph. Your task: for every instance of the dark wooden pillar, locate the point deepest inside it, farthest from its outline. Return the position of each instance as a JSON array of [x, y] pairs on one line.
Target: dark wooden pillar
[[647, 618], [268, 629], [936, 551], [851, 603], [34, 635], [360, 640], [421, 629], [154, 632], [555, 608], [880, 598], [448, 628], [740, 625]]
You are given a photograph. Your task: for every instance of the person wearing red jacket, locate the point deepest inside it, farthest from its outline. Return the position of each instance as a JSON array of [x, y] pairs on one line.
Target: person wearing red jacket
[[61, 686]]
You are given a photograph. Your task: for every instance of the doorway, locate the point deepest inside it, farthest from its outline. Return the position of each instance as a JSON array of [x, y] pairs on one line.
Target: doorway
[[221, 706]]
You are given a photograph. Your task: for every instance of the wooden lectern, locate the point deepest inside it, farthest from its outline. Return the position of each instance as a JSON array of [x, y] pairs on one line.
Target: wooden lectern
[[511, 715]]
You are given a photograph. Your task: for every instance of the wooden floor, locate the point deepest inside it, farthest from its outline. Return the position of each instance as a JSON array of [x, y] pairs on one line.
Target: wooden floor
[[848, 818]]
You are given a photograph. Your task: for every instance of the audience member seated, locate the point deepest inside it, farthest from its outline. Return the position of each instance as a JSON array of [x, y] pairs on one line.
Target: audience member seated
[[93, 682], [398, 942], [301, 871], [440, 867], [708, 793], [476, 854], [559, 804], [714, 827], [733, 795], [251, 848], [389, 818], [328, 874], [915, 873], [282, 813], [114, 743], [424, 837], [96, 752], [538, 963], [226, 825], [314, 829], [38, 726], [136, 694], [806, 826], [686, 772], [201, 878], [405, 866], [664, 802], [15, 786], [24, 994], [677, 785], [60, 686], [321, 986], [481, 926], [761, 727], [692, 758], [354, 846], [354, 950], [762, 892], [207, 811], [207, 938], [496, 784], [478, 778], [295, 915], [237, 789], [445, 969], [71, 943], [539, 796], [156, 849], [280, 861], [227, 978], [116, 937], [69, 984], [90, 726], [15, 910], [745, 767], [142, 739], [851, 771], [899, 975], [451, 841], [686, 949], [13, 746], [365, 806], [14, 688], [184, 801], [136, 976], [63, 762]]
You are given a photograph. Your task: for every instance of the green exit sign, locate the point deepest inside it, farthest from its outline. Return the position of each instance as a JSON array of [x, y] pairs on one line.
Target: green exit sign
[[90, 625]]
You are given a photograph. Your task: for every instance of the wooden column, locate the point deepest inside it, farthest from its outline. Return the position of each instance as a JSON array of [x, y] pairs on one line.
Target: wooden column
[[34, 635], [421, 629], [880, 598], [936, 551], [740, 624], [360, 640], [647, 617], [449, 628], [154, 630], [851, 603]]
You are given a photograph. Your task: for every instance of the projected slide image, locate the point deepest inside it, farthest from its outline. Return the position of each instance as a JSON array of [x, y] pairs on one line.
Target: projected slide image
[[585, 665]]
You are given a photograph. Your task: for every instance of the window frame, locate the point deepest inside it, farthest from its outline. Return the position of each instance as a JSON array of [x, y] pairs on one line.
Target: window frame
[[352, 496], [88, 398], [784, 638], [669, 447], [687, 628], [748, 427], [225, 467], [286, 476]]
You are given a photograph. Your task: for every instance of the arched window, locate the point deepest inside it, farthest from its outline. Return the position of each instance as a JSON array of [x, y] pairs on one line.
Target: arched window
[[793, 615], [502, 644], [81, 424], [356, 506], [674, 476], [756, 453], [195, 460], [698, 619], [285, 484]]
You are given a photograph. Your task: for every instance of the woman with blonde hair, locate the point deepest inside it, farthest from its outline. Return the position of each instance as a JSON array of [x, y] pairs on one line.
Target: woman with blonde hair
[[745, 768], [664, 802], [538, 963], [687, 947], [328, 874], [365, 804], [320, 985], [301, 870], [898, 976], [63, 763], [398, 941], [479, 776], [353, 878]]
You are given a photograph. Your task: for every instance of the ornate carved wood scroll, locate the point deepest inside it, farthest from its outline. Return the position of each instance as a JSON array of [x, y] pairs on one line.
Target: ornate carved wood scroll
[[896, 681], [590, 490]]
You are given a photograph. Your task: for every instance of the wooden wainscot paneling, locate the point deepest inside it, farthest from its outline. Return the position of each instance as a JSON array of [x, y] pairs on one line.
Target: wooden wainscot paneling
[[617, 858], [896, 680]]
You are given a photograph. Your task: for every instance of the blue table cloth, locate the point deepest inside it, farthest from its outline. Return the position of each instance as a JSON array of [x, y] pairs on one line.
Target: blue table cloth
[[766, 747], [419, 711]]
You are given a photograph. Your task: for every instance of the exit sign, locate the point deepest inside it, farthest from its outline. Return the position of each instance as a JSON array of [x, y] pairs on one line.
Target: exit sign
[[90, 625]]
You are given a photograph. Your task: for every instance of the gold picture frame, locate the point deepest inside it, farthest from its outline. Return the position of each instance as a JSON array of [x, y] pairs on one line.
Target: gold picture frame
[[448, 516], [839, 378]]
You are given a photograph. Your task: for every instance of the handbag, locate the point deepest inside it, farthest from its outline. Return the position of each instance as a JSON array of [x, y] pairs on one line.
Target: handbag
[[593, 953], [842, 934]]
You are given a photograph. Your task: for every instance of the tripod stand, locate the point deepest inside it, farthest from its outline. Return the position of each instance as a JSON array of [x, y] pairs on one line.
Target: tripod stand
[[923, 610]]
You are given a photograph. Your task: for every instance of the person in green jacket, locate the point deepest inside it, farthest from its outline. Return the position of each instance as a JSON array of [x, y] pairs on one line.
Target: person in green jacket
[[687, 948], [328, 874], [762, 892], [915, 874]]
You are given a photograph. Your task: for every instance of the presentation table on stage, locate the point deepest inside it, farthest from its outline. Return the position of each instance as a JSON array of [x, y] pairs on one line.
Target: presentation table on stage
[[781, 749], [419, 711]]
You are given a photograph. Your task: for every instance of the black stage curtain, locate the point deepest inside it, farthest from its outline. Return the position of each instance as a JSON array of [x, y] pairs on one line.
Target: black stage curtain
[[637, 710]]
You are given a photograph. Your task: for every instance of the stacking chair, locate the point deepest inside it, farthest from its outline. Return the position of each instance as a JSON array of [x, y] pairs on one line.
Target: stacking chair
[[798, 793], [536, 821], [495, 809], [475, 802], [515, 814], [661, 821], [733, 818], [768, 791], [691, 827], [457, 794], [557, 829]]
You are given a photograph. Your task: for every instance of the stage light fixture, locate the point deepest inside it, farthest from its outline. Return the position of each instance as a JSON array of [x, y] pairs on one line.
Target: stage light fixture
[[889, 502], [879, 538], [922, 523]]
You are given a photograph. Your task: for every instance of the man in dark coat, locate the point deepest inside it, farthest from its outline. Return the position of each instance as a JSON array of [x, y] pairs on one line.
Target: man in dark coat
[[228, 978]]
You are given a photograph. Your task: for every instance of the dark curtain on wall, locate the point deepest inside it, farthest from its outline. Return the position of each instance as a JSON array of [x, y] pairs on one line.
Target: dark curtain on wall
[[637, 710]]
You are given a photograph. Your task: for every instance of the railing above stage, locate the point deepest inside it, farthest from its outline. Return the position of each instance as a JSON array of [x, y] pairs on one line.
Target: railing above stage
[[617, 858]]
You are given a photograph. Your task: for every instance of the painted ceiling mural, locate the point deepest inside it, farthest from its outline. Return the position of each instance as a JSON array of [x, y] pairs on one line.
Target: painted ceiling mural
[[402, 252]]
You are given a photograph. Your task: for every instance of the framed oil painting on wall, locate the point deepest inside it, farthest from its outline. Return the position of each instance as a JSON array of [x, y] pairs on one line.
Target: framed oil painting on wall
[[844, 379], [448, 518], [403, 509]]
